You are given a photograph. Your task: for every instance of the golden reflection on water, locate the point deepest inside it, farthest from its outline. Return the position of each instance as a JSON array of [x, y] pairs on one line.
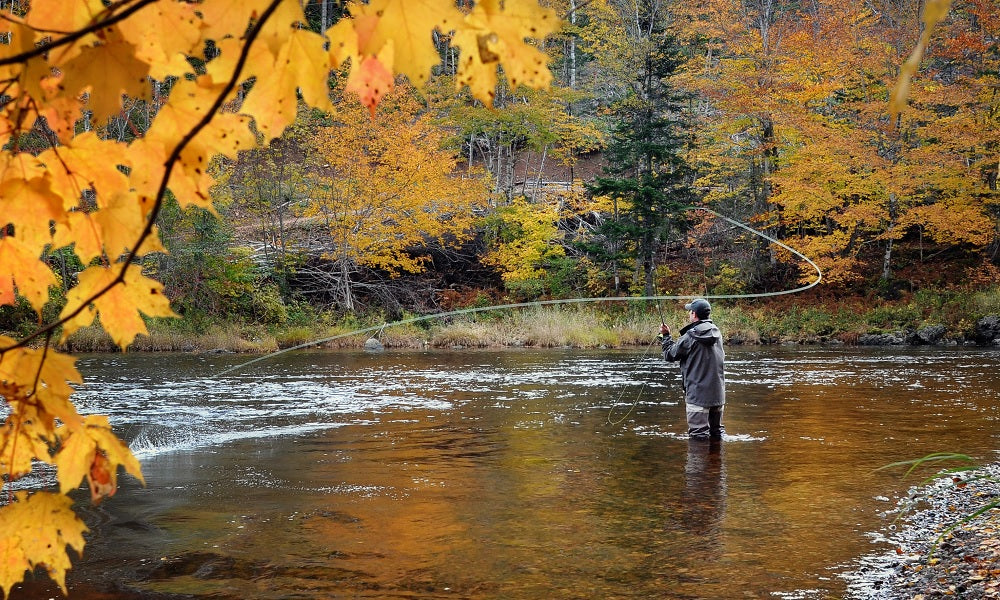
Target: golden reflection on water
[[522, 490]]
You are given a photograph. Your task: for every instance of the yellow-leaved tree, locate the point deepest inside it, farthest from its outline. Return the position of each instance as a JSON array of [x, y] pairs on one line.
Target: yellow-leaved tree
[[523, 238], [229, 74], [387, 185]]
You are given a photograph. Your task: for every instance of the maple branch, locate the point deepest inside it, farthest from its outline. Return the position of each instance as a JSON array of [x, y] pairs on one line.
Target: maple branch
[[79, 33], [162, 190], [41, 363]]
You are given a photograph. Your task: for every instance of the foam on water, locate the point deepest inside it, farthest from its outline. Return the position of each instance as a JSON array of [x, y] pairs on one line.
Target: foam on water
[[147, 445]]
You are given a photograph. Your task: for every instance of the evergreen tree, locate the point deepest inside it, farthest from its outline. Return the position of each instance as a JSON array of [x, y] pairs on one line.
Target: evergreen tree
[[647, 176]]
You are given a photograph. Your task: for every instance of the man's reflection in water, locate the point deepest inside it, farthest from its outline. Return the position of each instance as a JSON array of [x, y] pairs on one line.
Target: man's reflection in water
[[703, 501]]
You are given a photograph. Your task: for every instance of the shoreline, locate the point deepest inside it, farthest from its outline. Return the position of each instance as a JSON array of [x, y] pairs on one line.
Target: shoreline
[[548, 328], [97, 344]]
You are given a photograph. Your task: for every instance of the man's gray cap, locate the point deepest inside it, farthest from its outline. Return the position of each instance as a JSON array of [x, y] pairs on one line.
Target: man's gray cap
[[700, 306]]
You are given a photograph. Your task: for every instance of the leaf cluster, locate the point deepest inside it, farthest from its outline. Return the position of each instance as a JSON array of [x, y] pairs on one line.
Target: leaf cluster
[[212, 78]]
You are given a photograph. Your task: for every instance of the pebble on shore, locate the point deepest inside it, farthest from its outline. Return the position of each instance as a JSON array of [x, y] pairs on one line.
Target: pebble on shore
[[935, 550]]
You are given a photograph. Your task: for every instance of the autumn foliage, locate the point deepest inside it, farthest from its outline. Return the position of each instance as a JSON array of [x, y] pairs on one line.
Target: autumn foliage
[[228, 74], [846, 128], [854, 132]]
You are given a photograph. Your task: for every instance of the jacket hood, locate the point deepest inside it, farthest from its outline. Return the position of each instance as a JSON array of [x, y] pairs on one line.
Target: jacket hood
[[704, 331]]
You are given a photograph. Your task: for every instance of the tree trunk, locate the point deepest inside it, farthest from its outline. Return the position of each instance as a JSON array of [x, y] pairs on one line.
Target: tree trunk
[[649, 268], [614, 247], [887, 258], [572, 47], [886, 261], [541, 168], [768, 160], [345, 284]]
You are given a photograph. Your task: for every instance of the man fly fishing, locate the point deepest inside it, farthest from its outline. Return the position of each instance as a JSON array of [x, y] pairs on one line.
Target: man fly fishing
[[702, 361]]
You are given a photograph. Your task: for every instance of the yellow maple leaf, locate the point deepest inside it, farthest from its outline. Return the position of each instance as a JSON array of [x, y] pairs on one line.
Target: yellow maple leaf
[[477, 66], [220, 69], [17, 449], [20, 38], [80, 448], [34, 531], [163, 36], [46, 407], [13, 563], [306, 51], [120, 221], [282, 23], [21, 269], [493, 36], [408, 24], [81, 232], [226, 134], [119, 306], [39, 369], [20, 166], [34, 77], [55, 18], [148, 168], [302, 64], [149, 157], [343, 41], [49, 17], [86, 162], [115, 451], [76, 454], [30, 207], [224, 18], [113, 64], [38, 391], [61, 115]]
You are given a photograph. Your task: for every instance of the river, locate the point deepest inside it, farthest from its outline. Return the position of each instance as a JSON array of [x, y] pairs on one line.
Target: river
[[515, 474]]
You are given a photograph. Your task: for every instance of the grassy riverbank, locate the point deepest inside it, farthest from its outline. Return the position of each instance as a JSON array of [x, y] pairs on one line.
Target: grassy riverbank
[[789, 319]]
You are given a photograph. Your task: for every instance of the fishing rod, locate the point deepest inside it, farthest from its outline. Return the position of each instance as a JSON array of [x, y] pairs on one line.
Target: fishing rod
[[518, 305], [635, 402]]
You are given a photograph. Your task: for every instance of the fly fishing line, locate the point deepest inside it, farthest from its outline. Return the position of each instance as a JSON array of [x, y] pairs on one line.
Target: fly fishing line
[[638, 395], [518, 305]]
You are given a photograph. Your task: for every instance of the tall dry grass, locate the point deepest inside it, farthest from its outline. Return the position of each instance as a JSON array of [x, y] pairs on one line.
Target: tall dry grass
[[610, 325], [216, 338]]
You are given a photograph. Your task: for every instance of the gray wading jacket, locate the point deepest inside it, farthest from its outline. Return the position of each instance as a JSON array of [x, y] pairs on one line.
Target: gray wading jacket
[[699, 350]]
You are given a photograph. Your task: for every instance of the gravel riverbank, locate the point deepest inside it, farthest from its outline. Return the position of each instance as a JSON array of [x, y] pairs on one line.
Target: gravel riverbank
[[931, 552]]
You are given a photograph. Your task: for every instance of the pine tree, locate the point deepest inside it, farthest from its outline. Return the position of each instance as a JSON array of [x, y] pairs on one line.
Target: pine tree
[[646, 176]]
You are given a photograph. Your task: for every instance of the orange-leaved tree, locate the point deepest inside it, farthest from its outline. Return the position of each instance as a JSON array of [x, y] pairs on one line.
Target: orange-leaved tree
[[234, 73], [830, 158]]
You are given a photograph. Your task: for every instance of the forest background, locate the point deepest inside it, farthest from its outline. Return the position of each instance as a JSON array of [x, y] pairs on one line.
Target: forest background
[[213, 160], [771, 112]]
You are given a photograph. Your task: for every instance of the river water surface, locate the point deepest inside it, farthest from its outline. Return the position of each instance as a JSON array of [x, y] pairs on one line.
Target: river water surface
[[516, 474]]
